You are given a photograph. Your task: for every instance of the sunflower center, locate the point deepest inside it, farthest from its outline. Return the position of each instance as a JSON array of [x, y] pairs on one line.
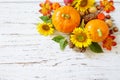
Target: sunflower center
[[83, 3], [45, 27], [81, 37]]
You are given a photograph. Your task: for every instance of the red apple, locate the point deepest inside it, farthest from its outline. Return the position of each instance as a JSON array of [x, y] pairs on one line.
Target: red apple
[[68, 2]]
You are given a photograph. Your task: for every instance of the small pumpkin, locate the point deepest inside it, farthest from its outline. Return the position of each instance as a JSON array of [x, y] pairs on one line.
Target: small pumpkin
[[65, 19], [98, 30]]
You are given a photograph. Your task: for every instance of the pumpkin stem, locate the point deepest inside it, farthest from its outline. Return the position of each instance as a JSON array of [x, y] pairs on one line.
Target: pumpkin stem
[[99, 32], [66, 16]]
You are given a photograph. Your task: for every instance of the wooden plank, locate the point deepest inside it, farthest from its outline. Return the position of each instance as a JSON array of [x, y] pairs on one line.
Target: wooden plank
[[68, 69], [36, 72], [32, 1], [19, 13], [29, 0]]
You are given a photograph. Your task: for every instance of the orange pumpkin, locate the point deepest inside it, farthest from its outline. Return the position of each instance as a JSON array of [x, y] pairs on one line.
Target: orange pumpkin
[[65, 19], [98, 30]]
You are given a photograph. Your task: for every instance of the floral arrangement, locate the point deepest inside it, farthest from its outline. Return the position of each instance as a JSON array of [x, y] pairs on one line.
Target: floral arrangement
[[84, 24]]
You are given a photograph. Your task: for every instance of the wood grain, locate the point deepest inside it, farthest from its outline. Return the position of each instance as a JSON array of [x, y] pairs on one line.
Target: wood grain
[[26, 55]]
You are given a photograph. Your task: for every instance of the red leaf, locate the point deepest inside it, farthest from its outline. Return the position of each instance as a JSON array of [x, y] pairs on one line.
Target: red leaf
[[114, 43]]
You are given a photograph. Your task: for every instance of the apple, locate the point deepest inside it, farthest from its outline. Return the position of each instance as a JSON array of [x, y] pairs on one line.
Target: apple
[[68, 2]]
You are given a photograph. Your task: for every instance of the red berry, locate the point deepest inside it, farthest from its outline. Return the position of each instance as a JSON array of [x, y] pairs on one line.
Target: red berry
[[111, 31], [115, 29], [108, 16]]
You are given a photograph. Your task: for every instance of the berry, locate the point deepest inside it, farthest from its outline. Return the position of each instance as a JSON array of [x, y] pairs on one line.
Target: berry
[[108, 16], [111, 31], [115, 29]]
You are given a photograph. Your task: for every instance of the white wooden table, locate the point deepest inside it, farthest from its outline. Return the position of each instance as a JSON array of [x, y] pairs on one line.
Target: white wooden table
[[25, 55]]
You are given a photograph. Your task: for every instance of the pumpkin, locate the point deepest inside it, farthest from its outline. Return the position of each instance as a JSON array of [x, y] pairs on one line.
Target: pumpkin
[[65, 19], [98, 30]]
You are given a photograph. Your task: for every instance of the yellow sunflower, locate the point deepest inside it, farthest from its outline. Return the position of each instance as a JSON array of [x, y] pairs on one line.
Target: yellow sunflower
[[80, 38], [45, 28], [82, 5]]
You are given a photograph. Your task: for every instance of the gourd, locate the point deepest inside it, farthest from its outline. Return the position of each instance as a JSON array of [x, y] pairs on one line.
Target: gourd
[[66, 19], [98, 30]]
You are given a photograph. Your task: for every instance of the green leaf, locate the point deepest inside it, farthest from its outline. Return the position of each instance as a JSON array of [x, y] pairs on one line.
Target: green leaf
[[61, 40], [63, 44], [95, 47], [58, 38], [45, 18], [82, 24], [49, 21]]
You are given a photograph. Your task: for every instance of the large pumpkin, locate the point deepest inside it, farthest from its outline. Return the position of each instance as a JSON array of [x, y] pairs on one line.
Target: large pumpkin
[[65, 19], [98, 30]]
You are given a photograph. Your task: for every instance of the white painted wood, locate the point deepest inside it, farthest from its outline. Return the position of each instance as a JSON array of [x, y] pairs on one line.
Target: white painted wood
[[26, 55], [4, 1]]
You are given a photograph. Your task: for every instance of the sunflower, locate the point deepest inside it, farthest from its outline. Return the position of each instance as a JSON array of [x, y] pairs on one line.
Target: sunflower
[[82, 5], [45, 28], [80, 38]]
